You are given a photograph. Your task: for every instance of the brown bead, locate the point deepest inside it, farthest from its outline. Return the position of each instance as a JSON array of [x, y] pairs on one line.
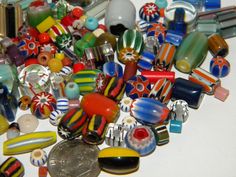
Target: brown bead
[[44, 57], [130, 70], [217, 45], [106, 38]]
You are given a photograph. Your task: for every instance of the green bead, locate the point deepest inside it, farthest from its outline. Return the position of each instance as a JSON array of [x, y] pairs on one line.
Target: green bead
[[192, 52], [131, 39], [90, 38], [207, 26], [80, 46]]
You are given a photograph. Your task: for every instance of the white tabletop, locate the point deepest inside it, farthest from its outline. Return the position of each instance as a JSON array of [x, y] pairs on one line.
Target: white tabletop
[[205, 148]]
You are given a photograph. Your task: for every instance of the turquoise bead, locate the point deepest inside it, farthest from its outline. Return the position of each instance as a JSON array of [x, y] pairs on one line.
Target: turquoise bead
[[72, 91], [175, 126], [91, 23]]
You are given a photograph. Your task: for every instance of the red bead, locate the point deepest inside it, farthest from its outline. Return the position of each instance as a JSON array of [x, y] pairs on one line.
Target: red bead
[[44, 38], [154, 76], [31, 61], [43, 171], [66, 61], [103, 27], [78, 67], [77, 12], [67, 20]]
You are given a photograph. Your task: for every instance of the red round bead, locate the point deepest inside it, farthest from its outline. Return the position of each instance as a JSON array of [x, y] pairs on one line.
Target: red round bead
[[77, 12], [67, 20], [44, 38], [78, 67], [31, 61]]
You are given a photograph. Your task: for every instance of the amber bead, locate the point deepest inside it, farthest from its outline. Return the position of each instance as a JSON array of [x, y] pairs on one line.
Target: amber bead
[[218, 46], [106, 38]]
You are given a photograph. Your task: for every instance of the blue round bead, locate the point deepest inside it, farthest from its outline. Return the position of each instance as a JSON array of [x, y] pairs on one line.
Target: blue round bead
[[219, 67], [113, 69], [72, 91], [62, 104], [91, 23]]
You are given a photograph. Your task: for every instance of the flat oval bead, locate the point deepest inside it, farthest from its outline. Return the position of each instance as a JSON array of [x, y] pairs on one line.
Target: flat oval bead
[[38, 157], [28, 123], [118, 160]]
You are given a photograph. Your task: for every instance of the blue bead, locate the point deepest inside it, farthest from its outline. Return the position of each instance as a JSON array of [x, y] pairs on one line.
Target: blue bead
[[113, 69], [146, 60], [219, 67], [178, 24], [91, 23], [72, 91], [212, 4], [175, 126], [62, 104], [174, 37]]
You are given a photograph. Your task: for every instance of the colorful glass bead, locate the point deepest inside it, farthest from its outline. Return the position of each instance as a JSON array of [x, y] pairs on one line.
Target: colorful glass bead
[[162, 91], [57, 85], [221, 93], [89, 81], [24, 102], [161, 134], [205, 79], [94, 131], [212, 4], [26, 30], [44, 57], [94, 103], [118, 160], [178, 24], [137, 86], [141, 139], [129, 123], [28, 142], [55, 117], [179, 110], [55, 65], [149, 12], [190, 58], [142, 26], [217, 45], [112, 69], [91, 23], [46, 24], [72, 124], [48, 48], [3, 124], [13, 130], [105, 38], [57, 30], [149, 111], [12, 167], [80, 46], [188, 91], [63, 41], [28, 46], [28, 123], [38, 157], [165, 58], [219, 67], [130, 70], [175, 126], [158, 31], [43, 171], [117, 22], [62, 104], [44, 38], [173, 37], [72, 90], [66, 72], [125, 104], [127, 55], [42, 105], [146, 60], [115, 88], [115, 135], [151, 44]]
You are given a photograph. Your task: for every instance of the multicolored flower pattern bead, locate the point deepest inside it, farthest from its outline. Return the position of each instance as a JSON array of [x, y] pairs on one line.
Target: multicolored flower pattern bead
[[149, 12], [158, 31], [137, 86], [29, 46], [42, 105], [128, 54], [219, 67], [125, 104]]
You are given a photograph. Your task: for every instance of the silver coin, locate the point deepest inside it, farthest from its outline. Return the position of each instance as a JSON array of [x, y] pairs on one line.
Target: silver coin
[[73, 159]]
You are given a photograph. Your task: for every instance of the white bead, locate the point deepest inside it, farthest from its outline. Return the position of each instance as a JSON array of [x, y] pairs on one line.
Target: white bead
[[129, 123], [55, 117], [62, 104], [27, 123], [125, 104], [38, 157]]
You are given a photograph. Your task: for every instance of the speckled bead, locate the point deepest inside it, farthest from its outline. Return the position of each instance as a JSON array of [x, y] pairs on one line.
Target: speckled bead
[[219, 67], [42, 105], [137, 86], [24, 102], [125, 104], [55, 117], [38, 157], [149, 12], [62, 104], [91, 23], [72, 90], [28, 123], [112, 69], [13, 130], [141, 139]]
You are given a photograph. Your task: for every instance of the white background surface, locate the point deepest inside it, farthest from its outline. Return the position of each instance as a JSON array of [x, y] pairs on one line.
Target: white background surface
[[205, 148]]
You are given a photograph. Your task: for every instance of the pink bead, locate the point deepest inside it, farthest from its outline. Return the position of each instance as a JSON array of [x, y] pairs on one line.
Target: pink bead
[[221, 93], [74, 104]]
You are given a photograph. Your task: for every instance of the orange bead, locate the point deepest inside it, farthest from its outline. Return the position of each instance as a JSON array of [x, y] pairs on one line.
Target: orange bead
[[55, 65]]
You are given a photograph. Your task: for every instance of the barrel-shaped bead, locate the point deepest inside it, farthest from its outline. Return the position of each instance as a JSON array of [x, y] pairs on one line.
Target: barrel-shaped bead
[[219, 67], [12, 167]]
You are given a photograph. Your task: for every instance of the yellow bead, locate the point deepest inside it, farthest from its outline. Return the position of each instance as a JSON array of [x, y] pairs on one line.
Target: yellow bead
[[55, 65], [60, 56], [83, 18], [3, 124], [46, 24]]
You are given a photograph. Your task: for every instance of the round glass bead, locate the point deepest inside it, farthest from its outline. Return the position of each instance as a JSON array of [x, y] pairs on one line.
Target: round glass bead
[[91, 23], [55, 65], [219, 67], [13, 130], [72, 90], [62, 104], [38, 157], [27, 123]]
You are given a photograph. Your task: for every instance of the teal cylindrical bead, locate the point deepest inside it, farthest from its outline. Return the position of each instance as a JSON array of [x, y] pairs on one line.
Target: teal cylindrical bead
[[161, 3], [91, 23], [72, 90], [192, 52]]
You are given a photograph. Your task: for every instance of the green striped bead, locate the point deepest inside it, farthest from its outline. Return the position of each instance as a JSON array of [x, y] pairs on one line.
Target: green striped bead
[[192, 52], [131, 39]]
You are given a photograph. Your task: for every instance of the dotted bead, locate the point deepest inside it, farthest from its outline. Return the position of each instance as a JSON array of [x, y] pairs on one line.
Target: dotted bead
[[91, 23], [38, 157]]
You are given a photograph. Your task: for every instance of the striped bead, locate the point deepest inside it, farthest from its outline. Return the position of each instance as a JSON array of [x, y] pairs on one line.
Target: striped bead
[[55, 117], [162, 91], [179, 110], [56, 30], [165, 58], [162, 135], [62, 104], [125, 104], [146, 60], [174, 38], [112, 69], [175, 126], [38, 157], [129, 123], [205, 79], [149, 12], [12, 167], [157, 30], [72, 124], [219, 67], [142, 26], [65, 71]]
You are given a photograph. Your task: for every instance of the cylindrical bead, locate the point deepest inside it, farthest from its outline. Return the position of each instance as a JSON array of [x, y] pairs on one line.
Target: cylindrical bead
[[154, 76]]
